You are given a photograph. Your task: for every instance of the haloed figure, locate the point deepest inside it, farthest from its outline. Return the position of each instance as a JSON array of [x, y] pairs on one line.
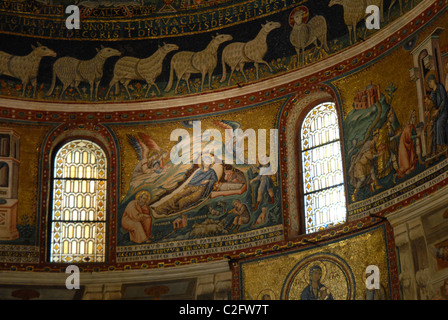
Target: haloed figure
[[316, 290], [137, 218]]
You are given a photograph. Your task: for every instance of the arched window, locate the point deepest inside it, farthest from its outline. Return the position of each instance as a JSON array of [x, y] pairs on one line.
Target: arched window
[[78, 216], [323, 178]]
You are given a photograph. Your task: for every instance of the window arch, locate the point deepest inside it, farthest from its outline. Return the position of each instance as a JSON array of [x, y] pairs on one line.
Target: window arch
[[79, 199], [322, 171]]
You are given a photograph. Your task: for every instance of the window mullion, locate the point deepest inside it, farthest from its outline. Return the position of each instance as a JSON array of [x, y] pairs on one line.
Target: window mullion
[[79, 208], [324, 205]]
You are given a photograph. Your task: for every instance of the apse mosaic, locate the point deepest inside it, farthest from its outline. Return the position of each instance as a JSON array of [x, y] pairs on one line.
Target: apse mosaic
[[394, 127], [169, 48], [209, 205], [330, 271], [19, 175]]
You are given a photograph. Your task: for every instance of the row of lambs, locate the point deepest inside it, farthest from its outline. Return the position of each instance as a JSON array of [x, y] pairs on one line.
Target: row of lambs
[[72, 71], [185, 63]]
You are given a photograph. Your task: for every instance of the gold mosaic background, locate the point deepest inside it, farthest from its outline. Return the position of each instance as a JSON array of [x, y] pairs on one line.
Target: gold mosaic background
[[268, 276], [259, 117], [31, 139], [393, 69]]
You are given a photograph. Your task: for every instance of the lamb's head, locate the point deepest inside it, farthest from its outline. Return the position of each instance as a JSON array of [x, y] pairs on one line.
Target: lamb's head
[[335, 2], [298, 16], [221, 38], [43, 51], [270, 25], [168, 47], [108, 52]]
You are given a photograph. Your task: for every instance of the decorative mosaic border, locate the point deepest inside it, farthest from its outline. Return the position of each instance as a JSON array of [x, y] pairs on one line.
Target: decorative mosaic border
[[177, 250], [18, 254], [406, 193], [140, 22]]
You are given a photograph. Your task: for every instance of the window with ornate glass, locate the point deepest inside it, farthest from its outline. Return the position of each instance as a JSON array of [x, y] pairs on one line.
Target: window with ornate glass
[[78, 216], [323, 178]]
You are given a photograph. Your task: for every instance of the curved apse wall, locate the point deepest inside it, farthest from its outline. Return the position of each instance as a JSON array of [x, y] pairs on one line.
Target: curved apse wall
[[379, 78]]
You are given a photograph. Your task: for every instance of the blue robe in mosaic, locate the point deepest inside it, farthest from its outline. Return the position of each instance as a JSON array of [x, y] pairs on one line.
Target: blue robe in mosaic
[[440, 99]]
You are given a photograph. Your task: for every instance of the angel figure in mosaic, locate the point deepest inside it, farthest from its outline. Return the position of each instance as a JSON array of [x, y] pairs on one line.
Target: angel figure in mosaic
[[158, 174], [153, 172], [152, 159]]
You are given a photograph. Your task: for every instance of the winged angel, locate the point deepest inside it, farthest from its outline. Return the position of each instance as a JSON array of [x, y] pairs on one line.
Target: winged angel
[[151, 158], [154, 171], [166, 181]]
